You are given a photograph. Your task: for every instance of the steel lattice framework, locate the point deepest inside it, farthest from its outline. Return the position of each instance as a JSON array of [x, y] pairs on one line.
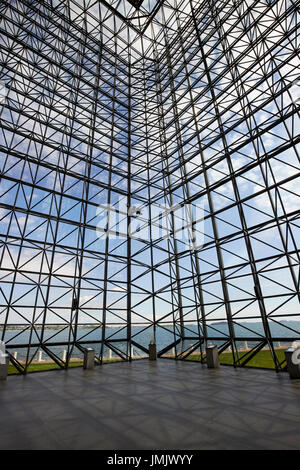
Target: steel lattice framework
[[179, 102]]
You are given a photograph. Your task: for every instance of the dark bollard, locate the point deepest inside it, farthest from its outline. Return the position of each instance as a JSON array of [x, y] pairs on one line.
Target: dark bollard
[[4, 361], [212, 357], [292, 356], [88, 362], [152, 351]]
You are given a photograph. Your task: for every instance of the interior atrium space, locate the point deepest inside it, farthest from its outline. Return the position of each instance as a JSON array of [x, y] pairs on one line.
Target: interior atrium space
[[149, 187]]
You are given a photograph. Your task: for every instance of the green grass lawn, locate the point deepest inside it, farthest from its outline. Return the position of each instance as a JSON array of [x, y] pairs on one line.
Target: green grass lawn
[[51, 366], [262, 359]]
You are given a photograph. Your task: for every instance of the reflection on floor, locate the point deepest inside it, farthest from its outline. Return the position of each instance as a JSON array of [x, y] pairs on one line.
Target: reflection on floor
[[151, 405]]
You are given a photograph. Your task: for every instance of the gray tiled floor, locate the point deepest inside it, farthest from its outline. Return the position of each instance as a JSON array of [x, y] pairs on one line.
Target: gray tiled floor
[[144, 405]]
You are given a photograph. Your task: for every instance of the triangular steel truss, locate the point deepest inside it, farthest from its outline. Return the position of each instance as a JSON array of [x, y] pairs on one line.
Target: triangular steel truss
[[143, 105]]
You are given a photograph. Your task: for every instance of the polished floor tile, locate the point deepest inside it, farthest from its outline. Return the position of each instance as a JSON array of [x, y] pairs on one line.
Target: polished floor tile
[[150, 405]]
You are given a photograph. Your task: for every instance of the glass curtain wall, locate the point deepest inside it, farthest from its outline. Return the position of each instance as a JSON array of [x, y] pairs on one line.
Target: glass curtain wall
[[149, 179]]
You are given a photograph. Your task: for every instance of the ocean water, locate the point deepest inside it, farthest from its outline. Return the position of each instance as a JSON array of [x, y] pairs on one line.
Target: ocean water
[[287, 329]]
